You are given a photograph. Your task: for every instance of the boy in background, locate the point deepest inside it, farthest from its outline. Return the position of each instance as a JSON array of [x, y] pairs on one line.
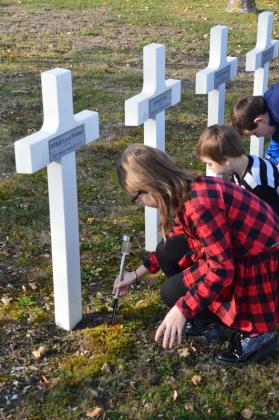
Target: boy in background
[[221, 147], [259, 116]]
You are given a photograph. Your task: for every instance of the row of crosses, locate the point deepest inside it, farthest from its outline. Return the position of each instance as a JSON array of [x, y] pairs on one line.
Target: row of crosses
[[63, 133]]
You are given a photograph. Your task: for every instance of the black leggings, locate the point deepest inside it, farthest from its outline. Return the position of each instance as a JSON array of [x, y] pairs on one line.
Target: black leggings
[[169, 253]]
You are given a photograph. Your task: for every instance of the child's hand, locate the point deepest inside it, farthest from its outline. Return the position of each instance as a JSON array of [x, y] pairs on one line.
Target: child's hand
[[171, 328], [129, 278]]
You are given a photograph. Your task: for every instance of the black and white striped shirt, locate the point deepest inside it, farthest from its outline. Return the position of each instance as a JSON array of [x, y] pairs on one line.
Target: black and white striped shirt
[[262, 178]]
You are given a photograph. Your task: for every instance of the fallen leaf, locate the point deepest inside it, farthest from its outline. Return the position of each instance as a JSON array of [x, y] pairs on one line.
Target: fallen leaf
[[189, 407], [95, 412], [175, 395], [105, 368], [184, 352], [44, 381], [33, 285], [247, 413], [90, 220], [6, 300], [132, 384], [40, 352], [196, 379]]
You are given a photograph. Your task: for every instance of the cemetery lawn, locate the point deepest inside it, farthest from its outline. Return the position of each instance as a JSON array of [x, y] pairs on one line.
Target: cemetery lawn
[[98, 370]]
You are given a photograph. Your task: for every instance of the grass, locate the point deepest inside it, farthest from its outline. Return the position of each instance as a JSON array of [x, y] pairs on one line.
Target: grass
[[101, 43]]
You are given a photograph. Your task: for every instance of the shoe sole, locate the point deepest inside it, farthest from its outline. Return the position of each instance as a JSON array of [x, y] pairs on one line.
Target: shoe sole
[[254, 357]]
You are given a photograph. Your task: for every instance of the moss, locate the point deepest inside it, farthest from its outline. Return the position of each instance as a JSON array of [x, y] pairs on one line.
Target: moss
[[106, 339], [24, 308], [79, 368], [148, 310], [104, 344]]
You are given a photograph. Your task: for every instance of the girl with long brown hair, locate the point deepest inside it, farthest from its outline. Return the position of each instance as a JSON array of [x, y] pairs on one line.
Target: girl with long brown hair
[[220, 255]]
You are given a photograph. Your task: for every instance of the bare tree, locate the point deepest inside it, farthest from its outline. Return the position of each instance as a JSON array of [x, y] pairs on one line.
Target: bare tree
[[242, 6]]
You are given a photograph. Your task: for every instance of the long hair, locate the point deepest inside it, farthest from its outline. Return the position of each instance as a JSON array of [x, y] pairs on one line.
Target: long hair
[[144, 168]]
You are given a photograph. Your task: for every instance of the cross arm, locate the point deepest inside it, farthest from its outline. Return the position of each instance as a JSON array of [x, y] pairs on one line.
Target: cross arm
[[209, 78], [137, 108], [32, 152], [257, 58]]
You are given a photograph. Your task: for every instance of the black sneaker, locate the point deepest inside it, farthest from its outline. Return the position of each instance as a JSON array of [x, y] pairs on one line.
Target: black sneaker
[[244, 349], [211, 333]]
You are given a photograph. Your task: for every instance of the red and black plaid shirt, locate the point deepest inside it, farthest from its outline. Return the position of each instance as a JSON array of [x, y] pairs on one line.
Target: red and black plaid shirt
[[232, 269]]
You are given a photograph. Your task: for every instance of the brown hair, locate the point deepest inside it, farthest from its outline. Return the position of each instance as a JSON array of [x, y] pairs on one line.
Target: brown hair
[[245, 111], [218, 142], [144, 168]]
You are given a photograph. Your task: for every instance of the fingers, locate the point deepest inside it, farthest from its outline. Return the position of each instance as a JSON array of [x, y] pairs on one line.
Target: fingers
[[123, 291], [119, 285], [159, 332], [179, 336], [172, 335]]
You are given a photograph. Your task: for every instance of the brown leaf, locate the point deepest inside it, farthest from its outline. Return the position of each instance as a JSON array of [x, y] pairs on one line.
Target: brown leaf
[[33, 285], [189, 407], [6, 300], [90, 220], [38, 354], [247, 413], [95, 412], [184, 352], [44, 381], [105, 368], [133, 385], [196, 379]]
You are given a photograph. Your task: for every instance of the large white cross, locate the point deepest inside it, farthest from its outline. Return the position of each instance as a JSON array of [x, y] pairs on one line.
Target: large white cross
[[212, 79], [54, 147], [148, 108], [257, 60]]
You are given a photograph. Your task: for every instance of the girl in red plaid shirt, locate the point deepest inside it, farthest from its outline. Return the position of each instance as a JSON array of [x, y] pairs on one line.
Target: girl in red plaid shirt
[[220, 255]]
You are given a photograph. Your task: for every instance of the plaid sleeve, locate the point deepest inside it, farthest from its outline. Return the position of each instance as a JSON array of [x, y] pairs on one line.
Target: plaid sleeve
[[151, 263], [177, 229], [206, 279]]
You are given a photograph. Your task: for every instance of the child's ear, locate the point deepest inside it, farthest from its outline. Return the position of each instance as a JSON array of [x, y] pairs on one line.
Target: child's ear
[[259, 120], [227, 160]]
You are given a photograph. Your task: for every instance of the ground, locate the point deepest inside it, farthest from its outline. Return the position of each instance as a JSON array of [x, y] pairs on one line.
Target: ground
[[98, 370]]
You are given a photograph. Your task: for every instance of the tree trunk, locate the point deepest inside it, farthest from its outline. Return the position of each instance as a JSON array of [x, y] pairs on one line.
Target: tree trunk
[[241, 6]]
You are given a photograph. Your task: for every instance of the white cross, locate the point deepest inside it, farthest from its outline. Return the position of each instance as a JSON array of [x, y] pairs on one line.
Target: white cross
[[257, 60], [212, 80], [148, 108], [54, 146]]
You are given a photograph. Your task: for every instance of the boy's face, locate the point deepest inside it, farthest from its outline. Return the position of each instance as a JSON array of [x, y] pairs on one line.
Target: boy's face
[[263, 128], [223, 168]]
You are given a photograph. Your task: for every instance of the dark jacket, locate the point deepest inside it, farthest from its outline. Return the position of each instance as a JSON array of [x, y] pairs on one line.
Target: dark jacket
[[271, 97]]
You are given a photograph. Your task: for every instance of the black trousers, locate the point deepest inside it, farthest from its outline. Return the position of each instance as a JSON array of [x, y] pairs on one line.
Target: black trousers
[[169, 253]]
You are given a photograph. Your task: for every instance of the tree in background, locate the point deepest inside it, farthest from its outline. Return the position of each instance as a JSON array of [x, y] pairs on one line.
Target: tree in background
[[242, 6]]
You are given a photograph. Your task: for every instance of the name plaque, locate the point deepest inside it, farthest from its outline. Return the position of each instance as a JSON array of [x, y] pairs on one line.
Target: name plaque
[[66, 143], [159, 103], [267, 56], [221, 76]]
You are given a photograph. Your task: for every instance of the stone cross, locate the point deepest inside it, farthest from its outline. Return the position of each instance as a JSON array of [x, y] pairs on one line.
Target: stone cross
[[257, 60], [212, 80], [54, 147], [148, 108]]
